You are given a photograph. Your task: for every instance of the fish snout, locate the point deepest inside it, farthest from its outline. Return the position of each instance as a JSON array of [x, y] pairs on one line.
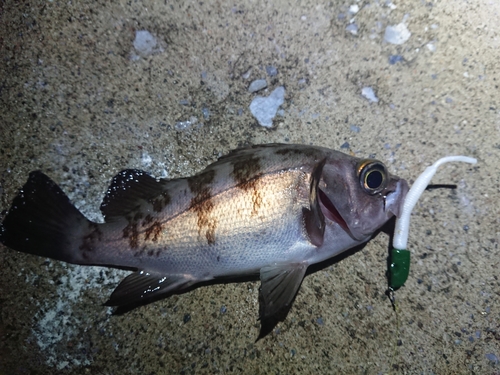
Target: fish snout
[[395, 196]]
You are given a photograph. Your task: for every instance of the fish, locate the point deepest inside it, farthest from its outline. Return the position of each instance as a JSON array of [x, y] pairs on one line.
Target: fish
[[266, 212]]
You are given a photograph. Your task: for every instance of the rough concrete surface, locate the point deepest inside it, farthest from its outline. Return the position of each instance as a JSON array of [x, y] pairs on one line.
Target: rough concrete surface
[[81, 99]]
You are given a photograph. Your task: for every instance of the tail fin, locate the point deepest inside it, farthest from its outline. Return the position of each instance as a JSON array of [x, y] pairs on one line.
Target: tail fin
[[42, 221]]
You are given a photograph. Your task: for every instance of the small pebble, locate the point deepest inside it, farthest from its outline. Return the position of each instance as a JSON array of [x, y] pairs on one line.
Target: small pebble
[[145, 43], [186, 318], [397, 34], [271, 71], [393, 59], [206, 113], [257, 85], [355, 128], [353, 9], [369, 94], [183, 125], [492, 358], [247, 74], [352, 28]]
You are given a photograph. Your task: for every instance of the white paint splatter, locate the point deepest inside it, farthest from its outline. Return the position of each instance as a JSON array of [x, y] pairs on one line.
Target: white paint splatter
[[264, 109], [146, 160], [56, 324]]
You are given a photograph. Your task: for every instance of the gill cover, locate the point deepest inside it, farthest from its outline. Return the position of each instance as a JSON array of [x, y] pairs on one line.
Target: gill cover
[[314, 220]]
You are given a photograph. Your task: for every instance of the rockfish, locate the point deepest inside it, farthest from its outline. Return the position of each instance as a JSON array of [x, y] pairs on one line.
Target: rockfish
[[269, 210]]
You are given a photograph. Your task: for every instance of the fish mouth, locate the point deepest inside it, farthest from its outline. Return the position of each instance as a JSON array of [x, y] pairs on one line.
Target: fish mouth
[[394, 200], [330, 211]]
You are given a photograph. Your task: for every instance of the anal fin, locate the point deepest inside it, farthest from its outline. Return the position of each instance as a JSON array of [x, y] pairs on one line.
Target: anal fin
[[142, 286], [279, 285]]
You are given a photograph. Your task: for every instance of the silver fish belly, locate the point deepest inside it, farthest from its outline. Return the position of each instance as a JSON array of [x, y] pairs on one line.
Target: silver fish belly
[[268, 210]]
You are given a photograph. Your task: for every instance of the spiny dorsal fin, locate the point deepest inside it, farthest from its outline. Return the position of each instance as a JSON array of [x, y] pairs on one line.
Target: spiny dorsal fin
[[127, 191], [246, 152]]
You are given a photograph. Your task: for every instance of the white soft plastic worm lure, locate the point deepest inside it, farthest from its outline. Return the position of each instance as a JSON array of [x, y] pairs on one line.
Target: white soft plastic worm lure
[[400, 257]]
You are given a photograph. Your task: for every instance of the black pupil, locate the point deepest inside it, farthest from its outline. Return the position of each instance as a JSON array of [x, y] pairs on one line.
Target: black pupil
[[374, 179]]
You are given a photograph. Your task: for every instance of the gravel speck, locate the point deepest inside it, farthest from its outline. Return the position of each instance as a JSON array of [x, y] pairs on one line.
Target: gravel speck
[[352, 28], [397, 34], [369, 94], [145, 43], [492, 358], [257, 85], [393, 59], [271, 71]]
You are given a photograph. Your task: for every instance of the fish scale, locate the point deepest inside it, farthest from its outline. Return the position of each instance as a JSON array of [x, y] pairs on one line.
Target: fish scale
[[246, 237]]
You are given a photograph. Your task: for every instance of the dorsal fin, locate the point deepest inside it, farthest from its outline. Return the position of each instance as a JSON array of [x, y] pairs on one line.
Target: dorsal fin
[[244, 152], [314, 219], [127, 191]]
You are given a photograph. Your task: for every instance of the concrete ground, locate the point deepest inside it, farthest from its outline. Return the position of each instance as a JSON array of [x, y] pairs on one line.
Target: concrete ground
[[80, 102]]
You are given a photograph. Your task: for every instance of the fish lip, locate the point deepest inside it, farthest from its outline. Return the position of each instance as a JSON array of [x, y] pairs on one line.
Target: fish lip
[[331, 212]]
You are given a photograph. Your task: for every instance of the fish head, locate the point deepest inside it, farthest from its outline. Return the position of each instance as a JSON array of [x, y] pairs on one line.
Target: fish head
[[359, 195]]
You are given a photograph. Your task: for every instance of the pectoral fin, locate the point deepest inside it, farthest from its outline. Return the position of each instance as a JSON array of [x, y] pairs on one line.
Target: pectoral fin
[[279, 285], [142, 286], [314, 220]]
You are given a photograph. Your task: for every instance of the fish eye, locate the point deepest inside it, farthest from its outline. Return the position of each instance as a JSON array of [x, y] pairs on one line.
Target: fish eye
[[372, 176]]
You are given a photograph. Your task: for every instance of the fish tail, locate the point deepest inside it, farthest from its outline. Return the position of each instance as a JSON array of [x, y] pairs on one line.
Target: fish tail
[[42, 221]]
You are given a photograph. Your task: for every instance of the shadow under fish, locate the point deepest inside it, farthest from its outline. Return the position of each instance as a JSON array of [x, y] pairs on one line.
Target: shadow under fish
[[267, 211]]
